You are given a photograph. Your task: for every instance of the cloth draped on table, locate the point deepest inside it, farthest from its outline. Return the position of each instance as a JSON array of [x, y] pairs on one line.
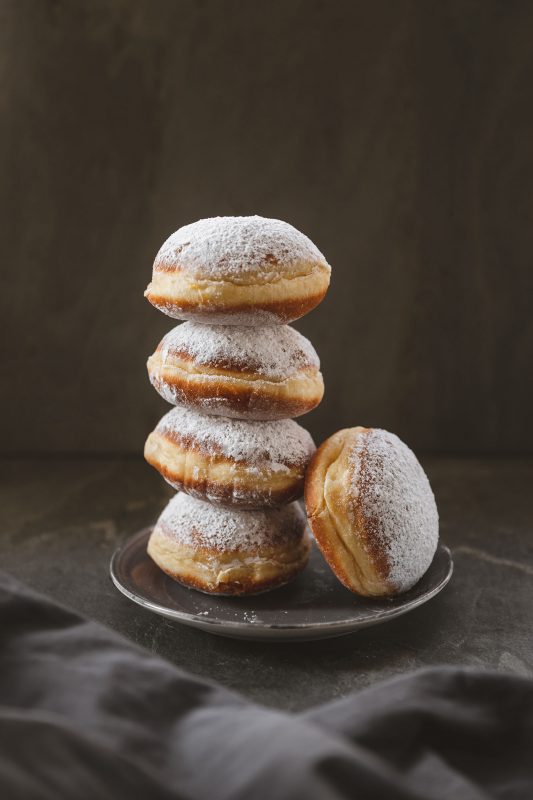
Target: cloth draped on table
[[85, 714]]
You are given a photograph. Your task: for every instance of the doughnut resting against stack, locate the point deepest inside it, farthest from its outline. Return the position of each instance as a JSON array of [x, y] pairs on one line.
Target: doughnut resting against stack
[[238, 271], [229, 551], [228, 461], [372, 511], [249, 373]]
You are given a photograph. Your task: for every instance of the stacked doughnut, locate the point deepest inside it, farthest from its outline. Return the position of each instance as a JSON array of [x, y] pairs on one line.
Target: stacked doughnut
[[237, 375]]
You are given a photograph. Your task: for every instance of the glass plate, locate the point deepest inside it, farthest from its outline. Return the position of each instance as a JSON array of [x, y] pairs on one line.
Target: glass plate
[[314, 606]]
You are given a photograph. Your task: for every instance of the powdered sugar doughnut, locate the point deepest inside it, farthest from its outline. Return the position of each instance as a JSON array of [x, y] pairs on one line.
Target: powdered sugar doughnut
[[228, 461], [238, 271], [248, 373], [372, 511], [226, 550]]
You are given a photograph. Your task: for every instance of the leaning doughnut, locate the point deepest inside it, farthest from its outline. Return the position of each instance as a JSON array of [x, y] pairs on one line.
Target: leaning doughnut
[[228, 461], [372, 511], [249, 373], [238, 271], [229, 551]]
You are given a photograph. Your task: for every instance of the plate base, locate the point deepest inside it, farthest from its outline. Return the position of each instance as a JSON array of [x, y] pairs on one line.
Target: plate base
[[314, 606]]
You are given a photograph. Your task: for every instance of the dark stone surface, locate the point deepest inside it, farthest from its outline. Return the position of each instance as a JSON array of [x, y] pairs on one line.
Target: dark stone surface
[[396, 133], [61, 521]]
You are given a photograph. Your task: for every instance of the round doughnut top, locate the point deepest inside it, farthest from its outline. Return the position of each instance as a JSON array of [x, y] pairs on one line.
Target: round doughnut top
[[280, 444], [239, 250], [391, 490], [195, 522], [275, 352]]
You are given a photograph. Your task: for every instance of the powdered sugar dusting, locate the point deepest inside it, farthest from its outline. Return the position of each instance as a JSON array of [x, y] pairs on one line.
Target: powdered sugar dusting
[[238, 247], [274, 352], [278, 445], [195, 522], [398, 504]]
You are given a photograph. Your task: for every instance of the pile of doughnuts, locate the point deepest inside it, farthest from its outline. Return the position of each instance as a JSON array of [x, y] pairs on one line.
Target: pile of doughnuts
[[237, 375]]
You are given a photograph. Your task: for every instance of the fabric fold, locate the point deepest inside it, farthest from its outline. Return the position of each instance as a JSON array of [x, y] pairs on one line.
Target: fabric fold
[[86, 714]]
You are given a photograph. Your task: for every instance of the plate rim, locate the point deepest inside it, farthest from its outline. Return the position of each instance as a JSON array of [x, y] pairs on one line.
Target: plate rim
[[195, 620]]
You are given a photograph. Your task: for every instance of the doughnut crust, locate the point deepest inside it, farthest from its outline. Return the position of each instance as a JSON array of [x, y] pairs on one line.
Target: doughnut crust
[[372, 511], [231, 462], [229, 551], [238, 271], [248, 373]]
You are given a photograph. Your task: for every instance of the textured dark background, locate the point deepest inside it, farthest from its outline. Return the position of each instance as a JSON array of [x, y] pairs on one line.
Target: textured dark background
[[398, 135]]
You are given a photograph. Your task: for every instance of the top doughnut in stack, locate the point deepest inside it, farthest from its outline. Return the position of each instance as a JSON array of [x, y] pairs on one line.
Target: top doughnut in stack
[[237, 375], [238, 271]]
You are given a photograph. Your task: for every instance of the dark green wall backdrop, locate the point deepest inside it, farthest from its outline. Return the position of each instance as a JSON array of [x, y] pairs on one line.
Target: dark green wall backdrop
[[398, 135]]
